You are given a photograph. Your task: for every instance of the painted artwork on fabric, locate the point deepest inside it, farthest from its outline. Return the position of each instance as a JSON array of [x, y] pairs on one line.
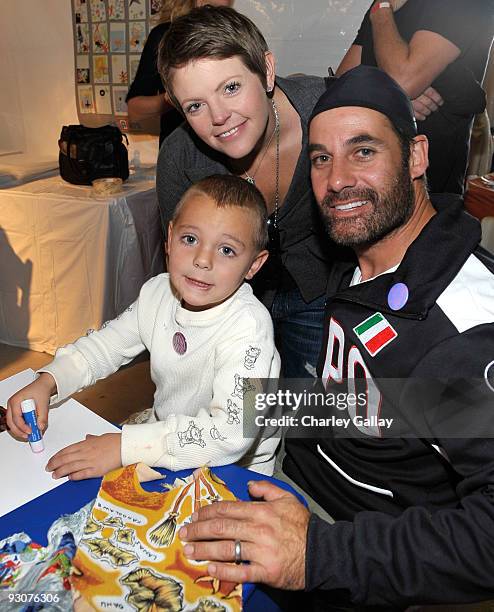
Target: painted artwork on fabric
[[137, 36], [116, 9], [82, 37], [98, 10], [133, 66], [104, 29], [103, 100], [80, 11], [101, 72], [82, 71], [119, 103], [100, 38], [118, 41], [86, 99], [137, 9], [43, 572], [130, 556], [119, 69], [82, 75]]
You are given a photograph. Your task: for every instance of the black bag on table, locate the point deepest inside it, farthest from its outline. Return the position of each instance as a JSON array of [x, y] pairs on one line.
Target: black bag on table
[[88, 153]]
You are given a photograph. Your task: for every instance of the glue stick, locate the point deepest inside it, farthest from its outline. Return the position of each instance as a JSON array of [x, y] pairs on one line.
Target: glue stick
[[35, 438]]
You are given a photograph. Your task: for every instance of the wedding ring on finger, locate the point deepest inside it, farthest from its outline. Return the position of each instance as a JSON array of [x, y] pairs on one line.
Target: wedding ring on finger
[[238, 552]]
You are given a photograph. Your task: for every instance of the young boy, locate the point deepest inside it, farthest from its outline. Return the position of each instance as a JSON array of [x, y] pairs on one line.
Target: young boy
[[206, 334]]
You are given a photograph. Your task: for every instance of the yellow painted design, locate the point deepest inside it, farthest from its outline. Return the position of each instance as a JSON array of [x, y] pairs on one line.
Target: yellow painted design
[[138, 560]]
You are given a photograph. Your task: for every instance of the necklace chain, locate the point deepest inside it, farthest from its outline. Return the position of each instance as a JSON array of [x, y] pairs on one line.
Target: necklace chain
[[277, 167], [251, 178]]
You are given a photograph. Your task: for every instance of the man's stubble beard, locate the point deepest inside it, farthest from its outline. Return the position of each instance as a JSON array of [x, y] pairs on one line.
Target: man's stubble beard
[[389, 212]]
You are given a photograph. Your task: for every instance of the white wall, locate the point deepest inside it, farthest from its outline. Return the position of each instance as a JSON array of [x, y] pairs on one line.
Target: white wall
[[37, 77], [37, 68], [306, 35]]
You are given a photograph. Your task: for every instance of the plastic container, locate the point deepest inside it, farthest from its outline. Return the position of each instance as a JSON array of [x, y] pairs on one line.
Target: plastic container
[[107, 186]]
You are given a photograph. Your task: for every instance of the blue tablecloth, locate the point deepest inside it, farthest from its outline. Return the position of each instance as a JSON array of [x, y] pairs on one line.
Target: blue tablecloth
[[35, 517]]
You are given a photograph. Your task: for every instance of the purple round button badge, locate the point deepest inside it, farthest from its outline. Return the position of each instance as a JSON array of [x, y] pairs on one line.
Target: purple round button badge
[[179, 343], [398, 296]]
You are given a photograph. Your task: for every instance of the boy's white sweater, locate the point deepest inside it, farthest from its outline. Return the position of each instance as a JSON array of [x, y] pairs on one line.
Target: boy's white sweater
[[198, 403]]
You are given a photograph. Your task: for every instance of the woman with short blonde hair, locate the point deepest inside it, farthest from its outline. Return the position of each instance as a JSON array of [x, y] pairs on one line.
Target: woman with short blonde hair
[[146, 98]]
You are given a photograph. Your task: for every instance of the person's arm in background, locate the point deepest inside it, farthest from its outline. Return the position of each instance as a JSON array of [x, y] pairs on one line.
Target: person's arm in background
[[429, 100], [144, 107], [352, 58], [414, 65], [146, 97]]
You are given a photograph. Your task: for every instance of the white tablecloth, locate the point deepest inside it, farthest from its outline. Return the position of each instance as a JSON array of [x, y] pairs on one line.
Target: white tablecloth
[[69, 261]]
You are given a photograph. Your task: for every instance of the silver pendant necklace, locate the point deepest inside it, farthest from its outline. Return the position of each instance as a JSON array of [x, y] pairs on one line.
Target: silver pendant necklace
[[251, 178]]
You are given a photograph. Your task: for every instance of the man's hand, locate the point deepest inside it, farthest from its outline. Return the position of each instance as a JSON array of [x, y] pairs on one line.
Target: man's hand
[[425, 104], [272, 533], [40, 391], [93, 457]]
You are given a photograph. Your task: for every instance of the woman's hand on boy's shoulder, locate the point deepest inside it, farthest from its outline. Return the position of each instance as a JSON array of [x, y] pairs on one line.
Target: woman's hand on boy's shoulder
[[90, 458], [40, 391]]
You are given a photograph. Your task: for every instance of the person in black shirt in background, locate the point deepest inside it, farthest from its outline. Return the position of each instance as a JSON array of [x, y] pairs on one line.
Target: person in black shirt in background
[[437, 51]]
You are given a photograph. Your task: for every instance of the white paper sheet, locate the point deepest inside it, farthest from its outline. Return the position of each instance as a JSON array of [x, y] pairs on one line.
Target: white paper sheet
[[12, 384], [23, 476]]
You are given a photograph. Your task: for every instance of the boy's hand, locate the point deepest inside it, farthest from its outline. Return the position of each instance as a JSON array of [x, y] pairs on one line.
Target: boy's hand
[[93, 457], [40, 391]]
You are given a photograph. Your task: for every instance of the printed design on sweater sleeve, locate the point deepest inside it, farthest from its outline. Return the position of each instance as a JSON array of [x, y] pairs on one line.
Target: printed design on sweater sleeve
[[233, 411], [251, 357], [215, 434], [192, 435], [242, 386]]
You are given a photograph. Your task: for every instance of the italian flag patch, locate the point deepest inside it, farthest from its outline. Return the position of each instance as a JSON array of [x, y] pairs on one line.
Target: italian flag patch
[[375, 333]]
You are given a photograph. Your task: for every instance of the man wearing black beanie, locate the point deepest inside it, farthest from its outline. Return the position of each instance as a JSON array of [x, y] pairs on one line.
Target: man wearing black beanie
[[408, 473]]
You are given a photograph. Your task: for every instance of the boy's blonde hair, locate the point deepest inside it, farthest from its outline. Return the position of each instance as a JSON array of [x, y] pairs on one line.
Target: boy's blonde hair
[[233, 191]]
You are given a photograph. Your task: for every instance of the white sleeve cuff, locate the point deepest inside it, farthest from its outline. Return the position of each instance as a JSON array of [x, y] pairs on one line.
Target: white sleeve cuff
[[71, 373], [147, 442]]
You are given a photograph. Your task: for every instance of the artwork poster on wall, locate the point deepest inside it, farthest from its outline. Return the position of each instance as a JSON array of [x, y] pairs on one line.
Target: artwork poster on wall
[[109, 36]]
